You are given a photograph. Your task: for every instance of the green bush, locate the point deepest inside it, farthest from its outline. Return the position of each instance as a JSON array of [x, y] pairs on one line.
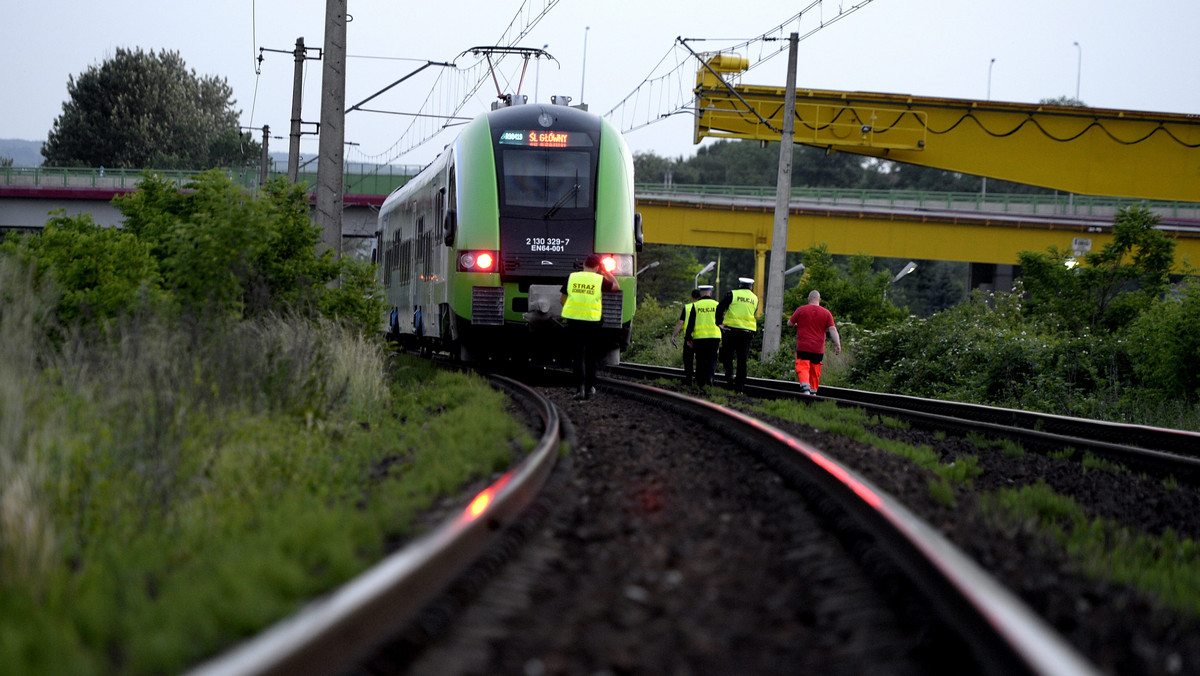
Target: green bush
[[1110, 287], [1167, 340], [986, 350], [101, 272], [651, 340], [210, 251]]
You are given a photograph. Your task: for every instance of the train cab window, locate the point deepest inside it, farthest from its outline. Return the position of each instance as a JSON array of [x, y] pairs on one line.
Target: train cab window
[[546, 179]]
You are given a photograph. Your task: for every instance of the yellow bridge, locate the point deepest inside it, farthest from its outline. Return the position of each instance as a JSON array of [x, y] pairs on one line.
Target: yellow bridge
[[1078, 150], [897, 224]]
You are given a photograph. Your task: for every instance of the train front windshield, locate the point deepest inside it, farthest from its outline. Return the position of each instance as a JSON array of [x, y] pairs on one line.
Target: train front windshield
[[547, 182], [547, 179]]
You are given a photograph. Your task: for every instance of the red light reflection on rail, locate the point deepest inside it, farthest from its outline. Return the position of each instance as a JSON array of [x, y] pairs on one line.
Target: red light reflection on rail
[[868, 496], [481, 502]]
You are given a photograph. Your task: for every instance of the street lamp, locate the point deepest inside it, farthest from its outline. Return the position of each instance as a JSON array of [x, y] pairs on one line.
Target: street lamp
[[1078, 70], [907, 269], [903, 272], [583, 70], [983, 182], [990, 64], [795, 268], [647, 267], [710, 266]]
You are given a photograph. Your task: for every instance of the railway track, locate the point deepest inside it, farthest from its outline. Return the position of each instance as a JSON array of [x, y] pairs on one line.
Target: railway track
[[926, 606], [1160, 451]]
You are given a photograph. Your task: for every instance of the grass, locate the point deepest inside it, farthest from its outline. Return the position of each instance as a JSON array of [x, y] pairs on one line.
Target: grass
[[1008, 447], [165, 492], [1166, 566], [852, 422], [1091, 462]]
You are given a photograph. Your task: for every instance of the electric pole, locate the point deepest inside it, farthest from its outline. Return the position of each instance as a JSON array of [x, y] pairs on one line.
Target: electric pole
[[783, 195], [266, 156], [331, 149], [297, 91]]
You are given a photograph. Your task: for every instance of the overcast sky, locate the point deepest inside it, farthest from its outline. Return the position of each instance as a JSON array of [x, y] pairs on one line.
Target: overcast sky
[[1130, 55]]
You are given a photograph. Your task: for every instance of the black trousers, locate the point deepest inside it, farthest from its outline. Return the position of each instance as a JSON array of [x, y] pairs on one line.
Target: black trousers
[[706, 359], [735, 344], [585, 341], [689, 362]]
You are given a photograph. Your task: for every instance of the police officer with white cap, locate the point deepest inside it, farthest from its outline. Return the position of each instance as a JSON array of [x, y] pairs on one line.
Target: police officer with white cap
[[736, 318], [706, 336]]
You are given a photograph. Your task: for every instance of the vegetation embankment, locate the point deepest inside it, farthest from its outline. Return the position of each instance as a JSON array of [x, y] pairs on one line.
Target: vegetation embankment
[[1109, 337], [1112, 336], [198, 433]]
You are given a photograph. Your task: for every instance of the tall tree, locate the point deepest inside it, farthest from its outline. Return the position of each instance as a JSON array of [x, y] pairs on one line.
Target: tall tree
[[142, 110]]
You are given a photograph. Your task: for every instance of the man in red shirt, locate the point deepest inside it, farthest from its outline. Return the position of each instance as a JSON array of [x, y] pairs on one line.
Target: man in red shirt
[[812, 323]]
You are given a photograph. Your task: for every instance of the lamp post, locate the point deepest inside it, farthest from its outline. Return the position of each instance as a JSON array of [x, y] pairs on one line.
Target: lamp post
[[904, 271], [795, 268], [989, 89], [706, 268], [983, 182], [1078, 70], [583, 70], [647, 267]]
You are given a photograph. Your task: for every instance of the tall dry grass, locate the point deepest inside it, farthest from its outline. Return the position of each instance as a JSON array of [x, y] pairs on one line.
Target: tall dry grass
[[27, 536]]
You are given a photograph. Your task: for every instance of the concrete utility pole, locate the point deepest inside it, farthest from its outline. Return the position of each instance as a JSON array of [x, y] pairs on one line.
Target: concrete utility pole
[[297, 91], [331, 149], [266, 156], [783, 196]]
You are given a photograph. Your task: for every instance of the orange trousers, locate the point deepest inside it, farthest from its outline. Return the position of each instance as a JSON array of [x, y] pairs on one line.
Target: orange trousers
[[808, 372]]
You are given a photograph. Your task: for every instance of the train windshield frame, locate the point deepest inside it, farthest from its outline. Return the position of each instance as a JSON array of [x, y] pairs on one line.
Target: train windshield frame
[[547, 180]]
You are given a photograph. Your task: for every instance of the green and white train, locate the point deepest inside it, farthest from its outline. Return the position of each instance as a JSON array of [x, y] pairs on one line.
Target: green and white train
[[474, 251]]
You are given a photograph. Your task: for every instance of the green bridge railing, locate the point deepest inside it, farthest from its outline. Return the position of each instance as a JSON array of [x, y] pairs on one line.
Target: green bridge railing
[[357, 180], [383, 179]]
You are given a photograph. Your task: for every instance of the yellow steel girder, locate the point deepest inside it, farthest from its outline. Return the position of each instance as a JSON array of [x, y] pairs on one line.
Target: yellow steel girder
[[979, 238], [1089, 151]]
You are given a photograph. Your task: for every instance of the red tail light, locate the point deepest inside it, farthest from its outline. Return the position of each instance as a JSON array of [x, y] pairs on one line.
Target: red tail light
[[620, 265], [477, 261]]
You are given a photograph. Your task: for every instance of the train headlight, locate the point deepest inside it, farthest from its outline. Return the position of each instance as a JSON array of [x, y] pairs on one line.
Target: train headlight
[[620, 265], [477, 261]]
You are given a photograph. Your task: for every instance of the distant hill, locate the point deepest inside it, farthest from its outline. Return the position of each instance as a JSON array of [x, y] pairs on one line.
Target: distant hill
[[22, 153]]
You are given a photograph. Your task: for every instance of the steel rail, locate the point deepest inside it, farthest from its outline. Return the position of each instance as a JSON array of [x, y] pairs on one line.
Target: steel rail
[[330, 633], [1004, 634], [1152, 448]]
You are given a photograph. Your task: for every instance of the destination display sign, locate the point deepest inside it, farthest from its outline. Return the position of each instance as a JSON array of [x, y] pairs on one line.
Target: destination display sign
[[531, 138]]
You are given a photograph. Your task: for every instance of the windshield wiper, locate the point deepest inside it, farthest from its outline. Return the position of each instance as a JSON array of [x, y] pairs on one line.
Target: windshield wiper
[[562, 201]]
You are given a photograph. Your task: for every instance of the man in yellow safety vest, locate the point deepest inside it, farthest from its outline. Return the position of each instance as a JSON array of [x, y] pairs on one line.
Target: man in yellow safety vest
[[689, 355], [735, 316], [706, 337], [582, 308]]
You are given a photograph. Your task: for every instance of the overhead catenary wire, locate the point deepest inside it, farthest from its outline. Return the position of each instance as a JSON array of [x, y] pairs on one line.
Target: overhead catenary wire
[[453, 89], [680, 78]]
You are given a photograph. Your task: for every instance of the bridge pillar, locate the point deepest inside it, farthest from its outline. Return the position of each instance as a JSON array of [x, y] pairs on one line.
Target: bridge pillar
[[992, 277]]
